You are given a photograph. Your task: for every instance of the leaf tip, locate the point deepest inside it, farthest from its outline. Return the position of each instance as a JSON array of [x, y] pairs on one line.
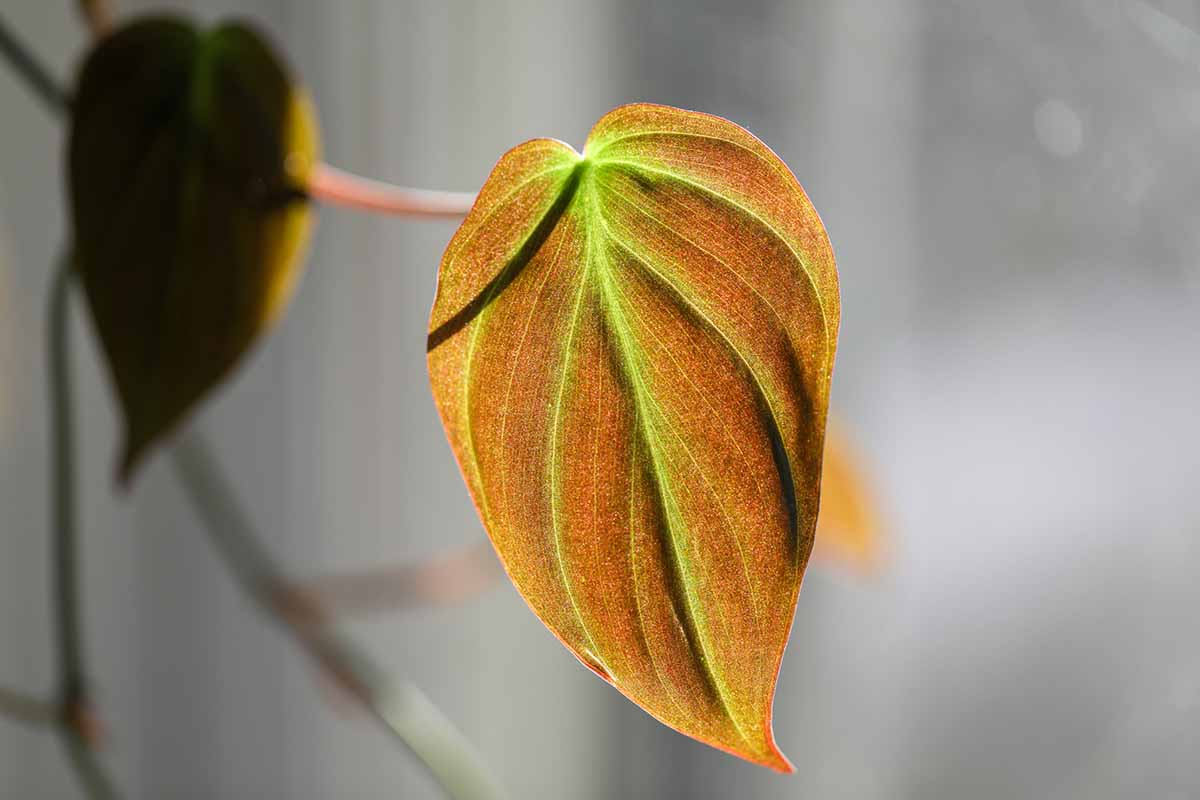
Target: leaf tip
[[776, 760], [765, 753]]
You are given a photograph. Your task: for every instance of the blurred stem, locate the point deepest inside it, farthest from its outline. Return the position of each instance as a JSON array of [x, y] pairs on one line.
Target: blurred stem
[[33, 72], [24, 708], [73, 707], [449, 578], [340, 188], [95, 782], [400, 707], [71, 713], [63, 514]]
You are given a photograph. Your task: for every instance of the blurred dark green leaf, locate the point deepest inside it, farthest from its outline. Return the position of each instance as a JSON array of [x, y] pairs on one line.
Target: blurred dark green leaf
[[189, 152]]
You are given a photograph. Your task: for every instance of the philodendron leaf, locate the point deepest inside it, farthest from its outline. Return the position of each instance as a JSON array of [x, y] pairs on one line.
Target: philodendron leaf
[[631, 351], [189, 152]]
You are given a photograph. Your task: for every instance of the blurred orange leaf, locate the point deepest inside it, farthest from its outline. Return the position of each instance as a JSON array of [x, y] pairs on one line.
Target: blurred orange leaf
[[188, 156], [848, 529], [631, 351]]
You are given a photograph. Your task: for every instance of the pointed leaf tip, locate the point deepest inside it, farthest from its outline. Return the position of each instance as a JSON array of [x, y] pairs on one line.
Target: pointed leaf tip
[[631, 351], [188, 156]]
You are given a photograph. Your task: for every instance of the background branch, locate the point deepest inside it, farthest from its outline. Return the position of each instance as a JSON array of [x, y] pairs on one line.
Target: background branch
[[449, 578], [75, 722], [400, 707], [33, 72], [65, 563], [25, 708], [72, 713]]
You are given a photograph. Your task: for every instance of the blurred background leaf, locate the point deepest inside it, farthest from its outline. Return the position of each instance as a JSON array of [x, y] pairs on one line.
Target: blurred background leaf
[[188, 156], [849, 532]]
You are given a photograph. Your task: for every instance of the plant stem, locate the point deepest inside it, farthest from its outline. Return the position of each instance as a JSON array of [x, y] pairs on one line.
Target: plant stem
[[63, 516], [401, 707], [338, 187], [25, 708], [71, 711], [95, 782], [36, 76], [447, 579], [73, 706]]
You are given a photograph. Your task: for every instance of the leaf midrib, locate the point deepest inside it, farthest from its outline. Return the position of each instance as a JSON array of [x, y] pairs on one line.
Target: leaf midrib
[[643, 401]]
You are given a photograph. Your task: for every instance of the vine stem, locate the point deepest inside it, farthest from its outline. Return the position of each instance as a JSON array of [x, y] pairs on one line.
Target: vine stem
[[63, 513], [71, 711], [24, 708], [449, 578], [340, 188], [39, 79], [74, 716], [402, 709]]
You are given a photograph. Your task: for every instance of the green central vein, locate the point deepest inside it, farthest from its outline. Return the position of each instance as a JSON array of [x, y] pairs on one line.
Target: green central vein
[[786, 476], [555, 491], [644, 402], [683, 444]]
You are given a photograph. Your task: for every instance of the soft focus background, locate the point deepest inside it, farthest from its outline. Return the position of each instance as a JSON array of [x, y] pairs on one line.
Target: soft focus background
[[1012, 190]]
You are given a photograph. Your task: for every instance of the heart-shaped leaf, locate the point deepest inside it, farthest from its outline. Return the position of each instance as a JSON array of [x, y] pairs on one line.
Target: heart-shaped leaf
[[631, 352], [188, 155]]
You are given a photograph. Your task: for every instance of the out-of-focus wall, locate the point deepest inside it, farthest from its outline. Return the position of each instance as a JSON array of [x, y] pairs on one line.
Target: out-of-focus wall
[[1010, 193]]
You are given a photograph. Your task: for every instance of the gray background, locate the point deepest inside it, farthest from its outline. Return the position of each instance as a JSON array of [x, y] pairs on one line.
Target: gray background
[[1012, 191]]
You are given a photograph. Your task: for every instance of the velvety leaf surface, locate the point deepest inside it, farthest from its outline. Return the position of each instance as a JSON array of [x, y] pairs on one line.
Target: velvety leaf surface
[[849, 531], [631, 352], [188, 154]]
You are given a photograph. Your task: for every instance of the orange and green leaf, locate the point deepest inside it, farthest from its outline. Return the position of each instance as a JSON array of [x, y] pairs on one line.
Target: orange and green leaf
[[631, 351], [189, 152]]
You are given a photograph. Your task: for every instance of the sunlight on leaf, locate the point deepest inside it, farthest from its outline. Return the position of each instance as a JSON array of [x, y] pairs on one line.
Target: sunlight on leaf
[[188, 153], [631, 352], [849, 531]]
